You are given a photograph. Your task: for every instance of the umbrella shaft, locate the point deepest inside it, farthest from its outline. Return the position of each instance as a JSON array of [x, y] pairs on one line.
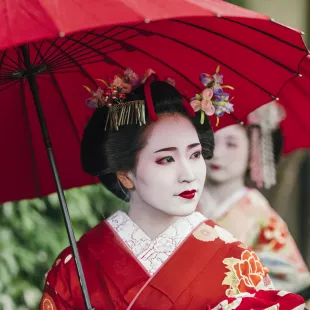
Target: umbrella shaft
[[34, 90]]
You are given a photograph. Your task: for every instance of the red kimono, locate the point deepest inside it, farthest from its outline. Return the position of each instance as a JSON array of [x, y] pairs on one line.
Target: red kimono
[[193, 265]]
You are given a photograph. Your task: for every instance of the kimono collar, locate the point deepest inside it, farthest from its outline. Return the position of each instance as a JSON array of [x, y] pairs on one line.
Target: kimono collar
[[152, 253]]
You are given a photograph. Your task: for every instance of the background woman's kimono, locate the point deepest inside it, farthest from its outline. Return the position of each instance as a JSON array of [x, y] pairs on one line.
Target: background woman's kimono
[[248, 216], [193, 265]]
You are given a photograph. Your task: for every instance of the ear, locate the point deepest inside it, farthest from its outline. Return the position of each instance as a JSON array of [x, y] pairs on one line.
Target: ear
[[124, 178]]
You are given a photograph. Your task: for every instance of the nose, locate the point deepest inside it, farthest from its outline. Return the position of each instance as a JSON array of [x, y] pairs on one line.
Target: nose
[[186, 173]]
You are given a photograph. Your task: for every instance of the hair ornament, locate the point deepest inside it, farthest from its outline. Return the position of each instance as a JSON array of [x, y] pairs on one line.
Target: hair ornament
[[262, 122], [114, 94], [212, 100]]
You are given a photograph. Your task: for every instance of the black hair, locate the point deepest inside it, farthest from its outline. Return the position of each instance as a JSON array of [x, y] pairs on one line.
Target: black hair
[[103, 153]]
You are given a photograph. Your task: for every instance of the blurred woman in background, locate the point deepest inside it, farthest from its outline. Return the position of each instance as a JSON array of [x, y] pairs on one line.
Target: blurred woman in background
[[244, 211]]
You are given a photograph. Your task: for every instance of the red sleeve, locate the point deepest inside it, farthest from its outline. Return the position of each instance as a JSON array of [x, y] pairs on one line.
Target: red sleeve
[[52, 300], [60, 284]]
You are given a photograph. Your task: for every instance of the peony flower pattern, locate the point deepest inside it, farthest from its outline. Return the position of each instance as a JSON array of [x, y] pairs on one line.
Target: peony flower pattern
[[207, 233], [244, 274], [273, 234]]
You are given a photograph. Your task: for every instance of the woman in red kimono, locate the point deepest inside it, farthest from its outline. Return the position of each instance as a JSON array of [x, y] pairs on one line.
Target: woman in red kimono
[[148, 147]]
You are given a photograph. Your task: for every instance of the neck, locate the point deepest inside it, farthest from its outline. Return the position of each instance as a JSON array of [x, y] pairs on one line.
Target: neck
[[152, 221], [222, 191]]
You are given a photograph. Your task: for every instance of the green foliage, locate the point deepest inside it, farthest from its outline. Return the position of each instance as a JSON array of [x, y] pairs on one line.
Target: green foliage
[[241, 3], [32, 234]]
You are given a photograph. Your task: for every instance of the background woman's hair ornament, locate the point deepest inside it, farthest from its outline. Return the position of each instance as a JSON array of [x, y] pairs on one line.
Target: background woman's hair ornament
[[212, 100]]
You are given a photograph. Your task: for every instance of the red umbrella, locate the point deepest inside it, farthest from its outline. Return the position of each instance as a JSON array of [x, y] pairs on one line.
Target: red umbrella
[[178, 39], [295, 98]]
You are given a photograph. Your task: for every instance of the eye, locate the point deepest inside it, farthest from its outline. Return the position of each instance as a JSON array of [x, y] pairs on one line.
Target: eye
[[231, 145], [165, 160], [196, 155]]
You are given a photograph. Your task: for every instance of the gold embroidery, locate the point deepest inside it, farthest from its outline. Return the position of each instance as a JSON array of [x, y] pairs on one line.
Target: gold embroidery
[[47, 303]]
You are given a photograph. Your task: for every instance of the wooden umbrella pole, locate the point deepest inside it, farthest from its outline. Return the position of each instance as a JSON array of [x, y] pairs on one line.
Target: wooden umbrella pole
[[31, 77]]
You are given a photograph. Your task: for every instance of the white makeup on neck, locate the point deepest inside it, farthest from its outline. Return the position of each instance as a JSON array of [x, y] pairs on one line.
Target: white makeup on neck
[[169, 176]]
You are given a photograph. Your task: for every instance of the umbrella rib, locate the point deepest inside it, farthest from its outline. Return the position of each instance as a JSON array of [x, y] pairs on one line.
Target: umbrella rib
[[8, 68], [63, 100], [75, 50], [100, 53], [211, 57], [33, 156], [160, 61], [298, 75], [82, 48], [45, 53], [9, 84], [265, 33], [37, 55], [237, 42], [60, 57], [83, 71], [5, 79], [2, 58], [64, 64], [56, 68], [20, 58], [15, 63], [49, 57]]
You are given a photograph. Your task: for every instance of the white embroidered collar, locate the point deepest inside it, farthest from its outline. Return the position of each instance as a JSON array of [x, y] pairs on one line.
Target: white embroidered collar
[[152, 253]]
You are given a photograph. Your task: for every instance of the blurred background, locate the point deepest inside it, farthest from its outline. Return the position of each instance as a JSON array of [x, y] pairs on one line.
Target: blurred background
[[32, 232]]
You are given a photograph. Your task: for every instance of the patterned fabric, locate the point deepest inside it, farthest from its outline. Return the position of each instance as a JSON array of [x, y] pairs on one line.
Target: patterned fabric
[[252, 221], [209, 269], [153, 253]]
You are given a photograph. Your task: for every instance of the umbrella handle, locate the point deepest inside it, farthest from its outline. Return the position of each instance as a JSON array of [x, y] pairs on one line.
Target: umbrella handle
[[31, 77]]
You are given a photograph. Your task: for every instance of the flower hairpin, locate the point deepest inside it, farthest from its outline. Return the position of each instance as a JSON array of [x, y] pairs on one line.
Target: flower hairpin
[[113, 96], [212, 100]]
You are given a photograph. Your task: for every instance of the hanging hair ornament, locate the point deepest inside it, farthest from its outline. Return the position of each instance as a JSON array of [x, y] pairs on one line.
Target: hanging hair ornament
[[262, 122], [113, 97], [212, 100]]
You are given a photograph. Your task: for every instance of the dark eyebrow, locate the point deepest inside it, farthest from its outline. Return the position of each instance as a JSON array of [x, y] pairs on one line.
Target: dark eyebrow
[[191, 146], [174, 148], [166, 149]]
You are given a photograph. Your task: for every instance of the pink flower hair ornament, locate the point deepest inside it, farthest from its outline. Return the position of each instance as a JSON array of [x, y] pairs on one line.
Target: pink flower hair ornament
[[212, 100], [115, 92]]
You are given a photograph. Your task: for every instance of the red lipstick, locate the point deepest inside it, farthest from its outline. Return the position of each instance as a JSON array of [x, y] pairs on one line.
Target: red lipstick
[[215, 167], [188, 194]]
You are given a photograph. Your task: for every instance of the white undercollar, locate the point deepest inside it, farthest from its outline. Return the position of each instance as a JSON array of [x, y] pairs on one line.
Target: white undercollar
[[152, 253]]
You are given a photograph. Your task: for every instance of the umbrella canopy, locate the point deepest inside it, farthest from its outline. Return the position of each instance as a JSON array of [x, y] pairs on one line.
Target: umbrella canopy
[[49, 19], [260, 58], [296, 100], [94, 39]]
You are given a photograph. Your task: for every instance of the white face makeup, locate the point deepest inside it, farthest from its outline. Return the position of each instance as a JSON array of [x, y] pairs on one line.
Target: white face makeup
[[231, 155], [170, 172]]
